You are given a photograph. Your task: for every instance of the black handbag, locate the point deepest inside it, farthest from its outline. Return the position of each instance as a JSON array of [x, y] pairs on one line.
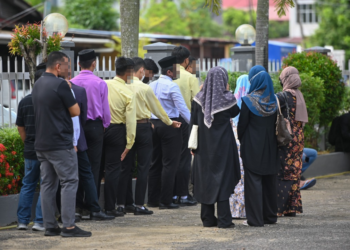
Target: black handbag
[[283, 131]]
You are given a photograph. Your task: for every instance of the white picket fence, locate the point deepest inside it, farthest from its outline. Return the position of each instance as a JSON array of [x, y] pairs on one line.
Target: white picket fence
[[14, 84]]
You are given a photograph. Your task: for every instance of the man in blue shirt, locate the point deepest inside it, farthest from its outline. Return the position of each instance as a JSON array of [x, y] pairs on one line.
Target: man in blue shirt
[[167, 140]]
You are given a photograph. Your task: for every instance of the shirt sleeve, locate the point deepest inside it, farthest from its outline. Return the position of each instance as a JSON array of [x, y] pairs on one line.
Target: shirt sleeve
[[65, 93], [156, 108], [243, 121], [106, 112], [84, 107], [194, 87], [180, 102], [130, 117], [76, 130], [19, 119]]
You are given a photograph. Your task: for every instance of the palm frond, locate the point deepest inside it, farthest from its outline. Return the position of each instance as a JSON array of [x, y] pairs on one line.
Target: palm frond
[[282, 6], [214, 5]]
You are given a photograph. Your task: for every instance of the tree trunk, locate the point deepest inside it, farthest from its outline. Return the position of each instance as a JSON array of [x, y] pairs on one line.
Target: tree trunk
[[129, 22], [262, 33]]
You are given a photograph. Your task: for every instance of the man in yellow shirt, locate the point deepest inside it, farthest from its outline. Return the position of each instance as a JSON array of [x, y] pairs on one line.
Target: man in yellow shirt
[[120, 135], [189, 88], [146, 102]]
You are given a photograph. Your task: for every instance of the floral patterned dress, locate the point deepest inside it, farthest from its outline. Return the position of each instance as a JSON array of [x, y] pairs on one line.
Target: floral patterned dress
[[237, 198], [288, 184]]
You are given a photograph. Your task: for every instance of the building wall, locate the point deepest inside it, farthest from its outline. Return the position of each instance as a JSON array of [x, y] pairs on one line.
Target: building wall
[[309, 27]]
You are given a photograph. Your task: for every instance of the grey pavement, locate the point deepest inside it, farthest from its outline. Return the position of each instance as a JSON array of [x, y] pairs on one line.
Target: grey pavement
[[325, 224]]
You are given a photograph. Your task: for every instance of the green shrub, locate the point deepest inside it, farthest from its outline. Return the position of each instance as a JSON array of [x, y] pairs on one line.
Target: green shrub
[[318, 65], [11, 161]]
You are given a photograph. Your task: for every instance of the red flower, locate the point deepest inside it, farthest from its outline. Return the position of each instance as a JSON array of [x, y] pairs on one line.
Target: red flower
[[13, 182], [7, 165], [0, 175], [9, 186], [2, 147], [1, 160], [2, 156], [13, 152]]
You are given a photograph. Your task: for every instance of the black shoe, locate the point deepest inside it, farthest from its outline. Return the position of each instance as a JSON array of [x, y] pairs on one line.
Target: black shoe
[[121, 210], [153, 204], [53, 231], [100, 216], [191, 198], [75, 232], [175, 200], [186, 202], [114, 213], [144, 211], [130, 209], [291, 214], [229, 226], [168, 206]]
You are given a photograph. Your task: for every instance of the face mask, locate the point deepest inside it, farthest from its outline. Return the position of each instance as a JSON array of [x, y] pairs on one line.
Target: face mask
[[143, 77]]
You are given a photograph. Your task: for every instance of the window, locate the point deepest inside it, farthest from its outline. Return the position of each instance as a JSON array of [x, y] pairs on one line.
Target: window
[[306, 13]]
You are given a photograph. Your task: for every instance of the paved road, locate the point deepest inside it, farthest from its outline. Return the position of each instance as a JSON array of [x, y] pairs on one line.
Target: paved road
[[325, 224]]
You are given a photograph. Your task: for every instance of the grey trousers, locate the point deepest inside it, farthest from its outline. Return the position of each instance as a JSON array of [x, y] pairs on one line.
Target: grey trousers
[[60, 165]]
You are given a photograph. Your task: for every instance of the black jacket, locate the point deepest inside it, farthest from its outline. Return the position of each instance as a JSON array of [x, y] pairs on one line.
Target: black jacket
[[257, 136]]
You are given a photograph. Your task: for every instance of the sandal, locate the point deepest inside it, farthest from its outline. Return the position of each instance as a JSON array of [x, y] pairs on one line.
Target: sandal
[[308, 184]]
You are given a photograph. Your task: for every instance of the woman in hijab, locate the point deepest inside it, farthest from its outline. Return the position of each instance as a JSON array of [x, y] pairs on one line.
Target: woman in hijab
[[216, 164], [289, 198], [237, 198], [257, 134]]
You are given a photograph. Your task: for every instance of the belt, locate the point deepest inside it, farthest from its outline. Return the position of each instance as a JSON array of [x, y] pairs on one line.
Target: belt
[[143, 121]]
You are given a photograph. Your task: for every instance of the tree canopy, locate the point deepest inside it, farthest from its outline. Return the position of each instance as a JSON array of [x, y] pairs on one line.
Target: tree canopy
[[334, 26]]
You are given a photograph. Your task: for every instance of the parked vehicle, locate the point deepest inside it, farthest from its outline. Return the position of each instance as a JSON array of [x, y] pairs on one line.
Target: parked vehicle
[[9, 95], [6, 113]]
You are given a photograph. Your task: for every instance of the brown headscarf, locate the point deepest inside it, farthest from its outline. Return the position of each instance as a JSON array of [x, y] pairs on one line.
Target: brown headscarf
[[291, 82]]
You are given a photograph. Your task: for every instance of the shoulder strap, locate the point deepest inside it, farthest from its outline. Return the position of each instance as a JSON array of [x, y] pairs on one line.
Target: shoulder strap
[[278, 104], [286, 101]]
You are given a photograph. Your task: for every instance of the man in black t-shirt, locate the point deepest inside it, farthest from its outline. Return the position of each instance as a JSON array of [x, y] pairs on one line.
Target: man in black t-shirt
[[54, 105], [26, 128]]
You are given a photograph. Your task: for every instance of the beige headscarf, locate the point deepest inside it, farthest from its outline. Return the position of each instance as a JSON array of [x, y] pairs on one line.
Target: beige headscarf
[[291, 82]]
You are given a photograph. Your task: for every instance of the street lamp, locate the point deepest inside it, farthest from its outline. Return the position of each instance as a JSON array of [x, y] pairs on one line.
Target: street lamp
[[55, 23], [245, 34]]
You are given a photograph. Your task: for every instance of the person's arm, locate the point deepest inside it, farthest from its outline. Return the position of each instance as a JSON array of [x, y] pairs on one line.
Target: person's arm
[[76, 129], [105, 106], [130, 116], [22, 132], [20, 122], [194, 120], [243, 121], [281, 99], [180, 103], [68, 99], [234, 111], [194, 87]]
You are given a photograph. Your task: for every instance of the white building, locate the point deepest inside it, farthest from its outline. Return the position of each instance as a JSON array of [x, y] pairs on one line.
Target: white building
[[303, 20]]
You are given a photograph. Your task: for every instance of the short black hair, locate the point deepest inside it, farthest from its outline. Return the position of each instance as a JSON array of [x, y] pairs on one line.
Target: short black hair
[[191, 59], [151, 65], [139, 63], [86, 64], [165, 70], [54, 58], [123, 64], [181, 53], [40, 69]]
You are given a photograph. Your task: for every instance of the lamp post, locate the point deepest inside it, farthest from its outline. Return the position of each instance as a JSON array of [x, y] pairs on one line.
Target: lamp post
[[245, 54]]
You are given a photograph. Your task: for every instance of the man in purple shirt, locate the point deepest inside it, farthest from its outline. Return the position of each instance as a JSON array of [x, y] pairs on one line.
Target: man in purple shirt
[[98, 114]]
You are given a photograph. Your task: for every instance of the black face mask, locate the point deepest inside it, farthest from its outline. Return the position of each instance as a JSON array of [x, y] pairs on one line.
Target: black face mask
[[145, 79]]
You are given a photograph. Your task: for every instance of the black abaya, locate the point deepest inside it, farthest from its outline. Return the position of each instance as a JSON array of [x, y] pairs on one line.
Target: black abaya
[[216, 169]]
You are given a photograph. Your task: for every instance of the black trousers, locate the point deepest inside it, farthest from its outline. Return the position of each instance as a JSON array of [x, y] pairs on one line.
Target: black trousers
[[260, 192], [86, 182], [142, 148], [166, 154], [183, 172], [94, 130], [224, 218], [114, 146]]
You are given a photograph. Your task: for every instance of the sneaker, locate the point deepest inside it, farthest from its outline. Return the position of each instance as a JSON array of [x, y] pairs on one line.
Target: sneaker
[[22, 226], [38, 227], [52, 231], [245, 223], [75, 232]]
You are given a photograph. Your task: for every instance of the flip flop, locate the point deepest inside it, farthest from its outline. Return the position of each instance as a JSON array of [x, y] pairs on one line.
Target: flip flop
[[308, 184]]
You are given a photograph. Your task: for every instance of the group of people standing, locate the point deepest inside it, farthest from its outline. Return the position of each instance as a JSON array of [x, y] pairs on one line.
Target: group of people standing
[[79, 131], [246, 173]]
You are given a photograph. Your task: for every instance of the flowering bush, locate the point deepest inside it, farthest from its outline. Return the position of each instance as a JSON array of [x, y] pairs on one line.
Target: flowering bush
[[11, 161]]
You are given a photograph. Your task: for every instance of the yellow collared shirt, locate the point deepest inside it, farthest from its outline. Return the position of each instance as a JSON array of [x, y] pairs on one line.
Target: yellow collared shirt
[[122, 106], [147, 102], [188, 85]]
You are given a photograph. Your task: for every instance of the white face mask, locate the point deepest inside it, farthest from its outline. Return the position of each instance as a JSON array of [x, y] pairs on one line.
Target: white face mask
[[143, 77]]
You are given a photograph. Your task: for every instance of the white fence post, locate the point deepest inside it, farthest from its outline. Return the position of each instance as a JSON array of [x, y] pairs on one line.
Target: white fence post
[[2, 94]]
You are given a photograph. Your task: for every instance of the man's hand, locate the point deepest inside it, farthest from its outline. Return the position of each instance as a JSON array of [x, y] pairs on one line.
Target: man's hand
[[126, 151], [75, 148], [192, 153], [176, 124]]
